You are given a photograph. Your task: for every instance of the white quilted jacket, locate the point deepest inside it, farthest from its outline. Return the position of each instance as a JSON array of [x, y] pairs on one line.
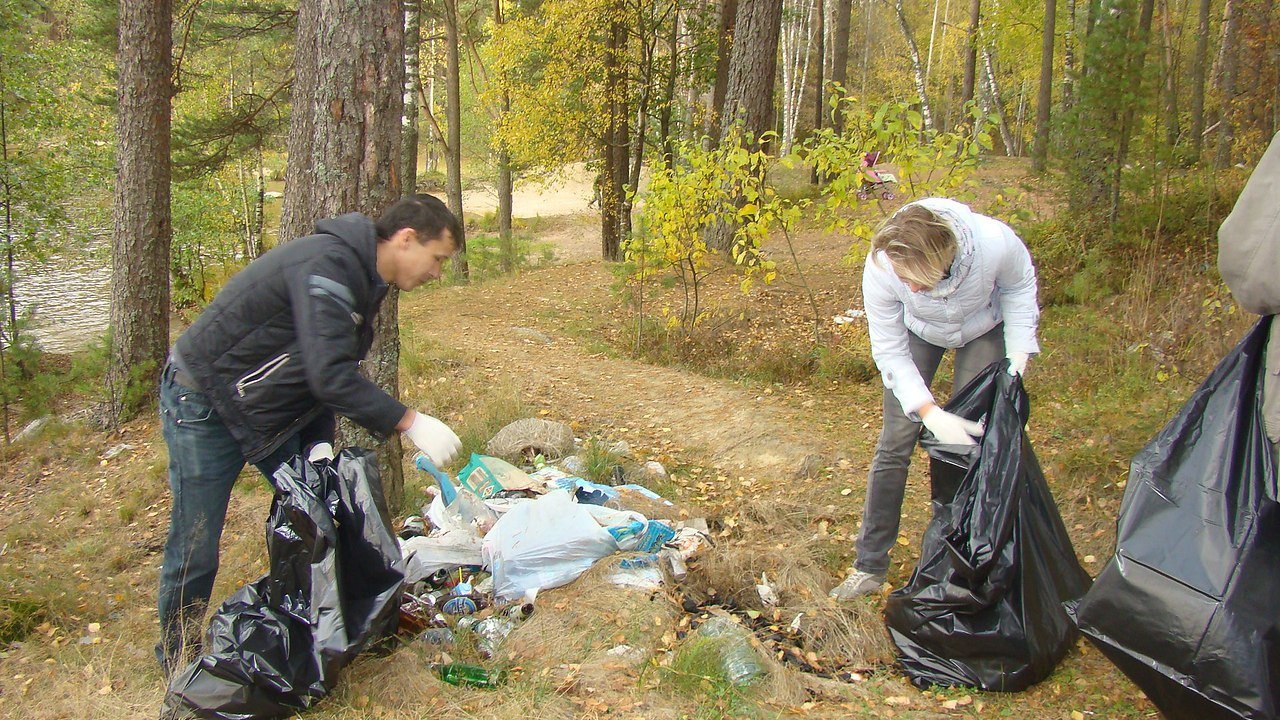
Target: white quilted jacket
[[992, 280]]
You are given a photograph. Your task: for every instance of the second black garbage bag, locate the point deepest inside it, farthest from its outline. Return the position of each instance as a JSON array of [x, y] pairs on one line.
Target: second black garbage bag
[[1189, 605], [276, 646], [984, 608]]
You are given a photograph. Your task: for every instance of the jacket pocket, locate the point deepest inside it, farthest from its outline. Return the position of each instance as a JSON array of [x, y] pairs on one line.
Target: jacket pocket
[[262, 374], [274, 394]]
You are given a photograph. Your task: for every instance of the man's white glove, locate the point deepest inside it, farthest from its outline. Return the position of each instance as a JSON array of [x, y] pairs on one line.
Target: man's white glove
[[951, 429], [434, 438], [1018, 363]]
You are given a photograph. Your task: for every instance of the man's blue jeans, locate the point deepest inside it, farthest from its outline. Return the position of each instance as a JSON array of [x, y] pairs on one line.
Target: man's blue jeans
[[204, 461]]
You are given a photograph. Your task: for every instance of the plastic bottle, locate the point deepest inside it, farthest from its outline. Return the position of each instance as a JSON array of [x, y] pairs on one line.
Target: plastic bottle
[[471, 675], [738, 658], [490, 633]]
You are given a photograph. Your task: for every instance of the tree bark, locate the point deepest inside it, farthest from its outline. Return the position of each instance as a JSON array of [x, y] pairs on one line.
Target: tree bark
[[752, 66], [840, 55], [505, 180], [1227, 85], [669, 88], [615, 144], [1172, 125], [996, 103], [1198, 62], [412, 89], [971, 57], [917, 70], [143, 230], [453, 119], [1069, 57], [345, 155], [1044, 97], [724, 52]]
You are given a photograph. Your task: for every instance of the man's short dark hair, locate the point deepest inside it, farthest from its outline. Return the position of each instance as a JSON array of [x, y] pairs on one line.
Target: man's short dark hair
[[425, 214]]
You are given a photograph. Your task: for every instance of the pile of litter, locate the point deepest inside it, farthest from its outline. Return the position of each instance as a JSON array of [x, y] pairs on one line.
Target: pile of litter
[[496, 535]]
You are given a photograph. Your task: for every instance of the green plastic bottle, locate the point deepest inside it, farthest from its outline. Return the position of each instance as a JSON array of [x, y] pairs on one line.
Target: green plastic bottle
[[471, 675]]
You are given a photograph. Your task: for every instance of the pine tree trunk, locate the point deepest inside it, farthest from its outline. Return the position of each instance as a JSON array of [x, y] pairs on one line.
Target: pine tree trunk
[[142, 223], [724, 53], [917, 70], [752, 66], [614, 147], [840, 54], [345, 154], [1227, 84], [453, 119], [971, 57], [412, 89], [1069, 57], [1044, 98], [505, 180], [1198, 62], [665, 140], [1172, 128]]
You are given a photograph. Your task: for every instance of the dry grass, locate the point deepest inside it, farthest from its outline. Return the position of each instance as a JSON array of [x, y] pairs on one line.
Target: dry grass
[[776, 537]]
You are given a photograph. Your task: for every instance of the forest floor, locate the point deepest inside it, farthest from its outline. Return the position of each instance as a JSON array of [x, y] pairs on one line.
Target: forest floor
[[773, 453]]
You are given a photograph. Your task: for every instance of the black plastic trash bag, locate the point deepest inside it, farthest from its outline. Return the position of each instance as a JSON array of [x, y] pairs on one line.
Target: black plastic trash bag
[[276, 646], [1189, 605], [984, 606]]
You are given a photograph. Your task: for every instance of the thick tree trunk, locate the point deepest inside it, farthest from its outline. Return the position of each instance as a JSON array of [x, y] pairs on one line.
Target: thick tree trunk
[[971, 56], [345, 155], [917, 70], [143, 228], [840, 54], [752, 66], [1044, 98], [724, 53], [453, 119], [412, 89]]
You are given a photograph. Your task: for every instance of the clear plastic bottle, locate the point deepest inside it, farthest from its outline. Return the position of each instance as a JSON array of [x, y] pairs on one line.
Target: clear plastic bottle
[[738, 657]]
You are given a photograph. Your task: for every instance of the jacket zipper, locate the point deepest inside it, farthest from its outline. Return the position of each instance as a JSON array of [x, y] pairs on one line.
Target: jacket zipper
[[261, 373]]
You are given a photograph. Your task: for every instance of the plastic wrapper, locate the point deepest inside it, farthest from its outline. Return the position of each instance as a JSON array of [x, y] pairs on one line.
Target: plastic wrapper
[[277, 645], [1187, 605], [544, 543], [984, 608]]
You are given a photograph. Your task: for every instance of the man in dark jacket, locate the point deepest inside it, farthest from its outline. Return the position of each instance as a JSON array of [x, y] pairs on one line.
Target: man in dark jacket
[[260, 374]]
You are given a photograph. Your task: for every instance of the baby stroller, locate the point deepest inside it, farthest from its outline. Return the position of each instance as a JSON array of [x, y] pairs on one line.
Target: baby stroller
[[875, 184]]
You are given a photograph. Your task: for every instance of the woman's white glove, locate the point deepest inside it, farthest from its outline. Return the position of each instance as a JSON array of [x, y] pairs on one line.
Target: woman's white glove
[[434, 438], [1018, 363], [951, 429]]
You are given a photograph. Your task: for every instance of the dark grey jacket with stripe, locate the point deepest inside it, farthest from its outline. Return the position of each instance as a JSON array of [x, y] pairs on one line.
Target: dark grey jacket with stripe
[[281, 343]]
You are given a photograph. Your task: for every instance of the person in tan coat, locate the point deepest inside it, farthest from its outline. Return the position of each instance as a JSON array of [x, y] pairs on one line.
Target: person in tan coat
[[1249, 260]]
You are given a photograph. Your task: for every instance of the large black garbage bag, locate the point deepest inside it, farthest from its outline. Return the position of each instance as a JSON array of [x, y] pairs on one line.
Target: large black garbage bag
[[1189, 605], [984, 606], [276, 646]]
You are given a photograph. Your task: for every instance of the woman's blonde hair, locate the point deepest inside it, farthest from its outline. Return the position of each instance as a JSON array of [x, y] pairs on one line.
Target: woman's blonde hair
[[920, 245]]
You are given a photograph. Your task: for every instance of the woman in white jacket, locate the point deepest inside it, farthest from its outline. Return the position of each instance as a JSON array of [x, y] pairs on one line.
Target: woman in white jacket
[[938, 276]]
